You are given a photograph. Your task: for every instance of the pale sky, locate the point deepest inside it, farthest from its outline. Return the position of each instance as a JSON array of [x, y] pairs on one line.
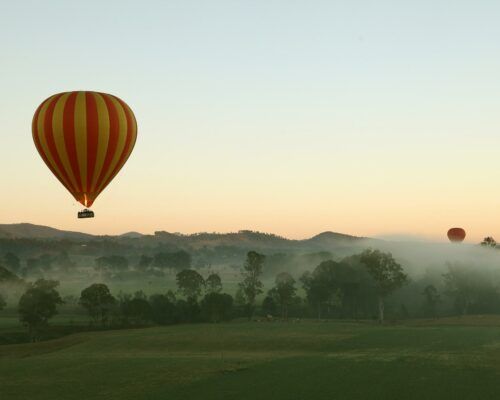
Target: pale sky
[[292, 117]]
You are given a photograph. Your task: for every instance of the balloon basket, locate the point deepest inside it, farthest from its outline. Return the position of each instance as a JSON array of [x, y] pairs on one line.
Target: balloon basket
[[86, 214]]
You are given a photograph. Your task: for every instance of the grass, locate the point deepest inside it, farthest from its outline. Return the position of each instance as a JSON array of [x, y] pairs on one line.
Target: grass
[[444, 359]]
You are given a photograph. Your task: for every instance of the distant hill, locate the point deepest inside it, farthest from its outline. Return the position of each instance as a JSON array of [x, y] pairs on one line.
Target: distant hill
[[326, 238], [244, 239], [31, 231], [131, 235]]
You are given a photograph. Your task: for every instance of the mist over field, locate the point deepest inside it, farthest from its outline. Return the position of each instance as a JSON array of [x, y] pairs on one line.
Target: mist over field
[[72, 259]]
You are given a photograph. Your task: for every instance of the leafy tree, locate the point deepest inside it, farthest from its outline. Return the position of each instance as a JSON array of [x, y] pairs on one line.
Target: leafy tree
[[217, 306], [387, 274], [190, 283], [213, 283], [136, 310], [140, 295], [239, 297], [432, 299], [38, 304], [187, 310], [171, 296], [177, 260], [472, 291], [97, 300], [357, 286], [322, 286], [335, 300], [163, 309], [489, 242], [240, 303], [269, 306], [460, 286], [285, 291], [252, 285]]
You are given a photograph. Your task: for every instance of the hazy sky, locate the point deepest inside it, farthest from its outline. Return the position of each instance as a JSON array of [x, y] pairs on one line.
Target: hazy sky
[[292, 117]]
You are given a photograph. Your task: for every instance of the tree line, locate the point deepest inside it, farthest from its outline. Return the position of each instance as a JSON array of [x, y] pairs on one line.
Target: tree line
[[109, 266], [356, 287], [199, 299]]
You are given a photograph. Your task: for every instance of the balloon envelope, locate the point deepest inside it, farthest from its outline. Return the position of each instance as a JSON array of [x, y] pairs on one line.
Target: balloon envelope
[[85, 138], [456, 235]]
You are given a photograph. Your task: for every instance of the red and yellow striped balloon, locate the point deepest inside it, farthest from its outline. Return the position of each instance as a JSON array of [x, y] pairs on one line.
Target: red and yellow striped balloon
[[85, 138]]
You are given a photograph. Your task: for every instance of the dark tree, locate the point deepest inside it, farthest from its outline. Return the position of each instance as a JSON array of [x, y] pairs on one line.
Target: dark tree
[[432, 300], [37, 305], [177, 260], [357, 286], [163, 309], [269, 306], [472, 291], [458, 286], [213, 283], [217, 306], [322, 286], [171, 296], [140, 295], [489, 242], [136, 310], [240, 303], [97, 300], [190, 283], [285, 291], [387, 274], [187, 310], [252, 285]]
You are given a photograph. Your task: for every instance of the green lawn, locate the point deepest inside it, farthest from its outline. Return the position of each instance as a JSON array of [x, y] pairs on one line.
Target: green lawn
[[448, 359]]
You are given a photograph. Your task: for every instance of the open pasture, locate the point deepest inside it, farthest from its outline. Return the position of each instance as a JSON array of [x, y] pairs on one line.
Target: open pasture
[[444, 359]]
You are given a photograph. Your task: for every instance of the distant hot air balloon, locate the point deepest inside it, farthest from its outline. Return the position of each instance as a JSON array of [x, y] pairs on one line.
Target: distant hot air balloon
[[85, 138], [456, 235]]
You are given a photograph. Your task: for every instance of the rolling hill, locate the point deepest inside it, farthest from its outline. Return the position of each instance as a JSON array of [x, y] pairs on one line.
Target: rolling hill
[[241, 239], [31, 231]]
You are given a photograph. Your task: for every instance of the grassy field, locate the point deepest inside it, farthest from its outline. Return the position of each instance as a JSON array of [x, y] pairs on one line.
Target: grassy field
[[446, 359]]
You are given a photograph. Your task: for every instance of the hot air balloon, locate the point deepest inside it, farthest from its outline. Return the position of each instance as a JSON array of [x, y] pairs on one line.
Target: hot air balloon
[[84, 138], [456, 235]]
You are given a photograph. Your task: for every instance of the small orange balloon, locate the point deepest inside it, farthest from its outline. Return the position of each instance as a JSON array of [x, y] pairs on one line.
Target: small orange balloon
[[456, 235]]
